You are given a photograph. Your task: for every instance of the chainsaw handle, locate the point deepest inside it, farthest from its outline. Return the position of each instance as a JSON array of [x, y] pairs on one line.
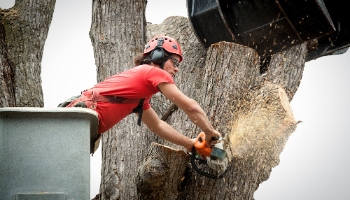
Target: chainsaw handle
[[201, 146]]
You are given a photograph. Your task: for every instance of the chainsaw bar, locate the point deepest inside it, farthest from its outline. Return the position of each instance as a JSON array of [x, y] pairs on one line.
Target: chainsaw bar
[[200, 165]]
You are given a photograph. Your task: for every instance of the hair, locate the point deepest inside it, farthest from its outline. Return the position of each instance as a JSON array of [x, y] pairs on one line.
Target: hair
[[141, 59]]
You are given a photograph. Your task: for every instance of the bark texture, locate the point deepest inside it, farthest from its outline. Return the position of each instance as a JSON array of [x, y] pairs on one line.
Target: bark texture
[[23, 32]]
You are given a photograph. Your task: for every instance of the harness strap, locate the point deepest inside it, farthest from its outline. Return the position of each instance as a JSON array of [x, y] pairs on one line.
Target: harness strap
[[139, 110], [115, 99], [90, 99]]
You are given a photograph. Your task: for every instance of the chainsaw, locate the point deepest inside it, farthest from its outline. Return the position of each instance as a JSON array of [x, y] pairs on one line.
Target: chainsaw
[[210, 161]]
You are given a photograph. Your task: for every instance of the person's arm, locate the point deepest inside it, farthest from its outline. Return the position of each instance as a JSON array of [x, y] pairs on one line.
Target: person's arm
[[192, 109], [164, 130]]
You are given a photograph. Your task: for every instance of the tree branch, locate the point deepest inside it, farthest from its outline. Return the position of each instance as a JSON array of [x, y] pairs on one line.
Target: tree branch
[[170, 111]]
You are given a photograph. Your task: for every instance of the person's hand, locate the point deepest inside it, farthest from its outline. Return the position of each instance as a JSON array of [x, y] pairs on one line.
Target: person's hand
[[213, 138], [190, 147]]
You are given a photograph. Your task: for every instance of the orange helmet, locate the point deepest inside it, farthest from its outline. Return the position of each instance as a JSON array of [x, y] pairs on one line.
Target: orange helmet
[[160, 43]]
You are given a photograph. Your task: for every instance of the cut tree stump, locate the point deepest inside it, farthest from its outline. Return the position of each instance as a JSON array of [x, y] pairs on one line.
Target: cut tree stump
[[160, 176]]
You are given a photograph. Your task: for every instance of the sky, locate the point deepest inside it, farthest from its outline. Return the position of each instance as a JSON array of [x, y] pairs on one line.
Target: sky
[[314, 164]]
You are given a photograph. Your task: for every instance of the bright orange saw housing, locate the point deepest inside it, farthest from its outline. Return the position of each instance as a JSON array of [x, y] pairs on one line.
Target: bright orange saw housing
[[201, 146]]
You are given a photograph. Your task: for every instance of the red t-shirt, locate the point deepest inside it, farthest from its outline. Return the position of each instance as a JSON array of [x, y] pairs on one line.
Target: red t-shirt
[[136, 83]]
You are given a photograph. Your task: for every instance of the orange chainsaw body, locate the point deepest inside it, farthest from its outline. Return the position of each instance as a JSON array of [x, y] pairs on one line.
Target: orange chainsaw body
[[201, 146]]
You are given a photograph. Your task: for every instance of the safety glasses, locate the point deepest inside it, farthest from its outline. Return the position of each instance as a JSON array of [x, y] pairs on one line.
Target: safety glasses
[[175, 61]]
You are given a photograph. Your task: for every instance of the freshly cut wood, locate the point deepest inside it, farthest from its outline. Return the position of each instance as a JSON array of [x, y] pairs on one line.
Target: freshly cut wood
[[263, 122]]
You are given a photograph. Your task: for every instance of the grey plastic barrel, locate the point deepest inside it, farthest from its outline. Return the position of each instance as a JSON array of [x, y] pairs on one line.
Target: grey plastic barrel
[[45, 153]]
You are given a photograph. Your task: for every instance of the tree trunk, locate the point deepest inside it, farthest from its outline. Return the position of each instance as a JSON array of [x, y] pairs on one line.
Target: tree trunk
[[118, 34], [23, 32], [245, 99]]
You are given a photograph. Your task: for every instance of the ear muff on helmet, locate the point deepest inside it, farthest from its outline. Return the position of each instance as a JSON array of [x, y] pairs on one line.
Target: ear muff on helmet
[[157, 55]]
